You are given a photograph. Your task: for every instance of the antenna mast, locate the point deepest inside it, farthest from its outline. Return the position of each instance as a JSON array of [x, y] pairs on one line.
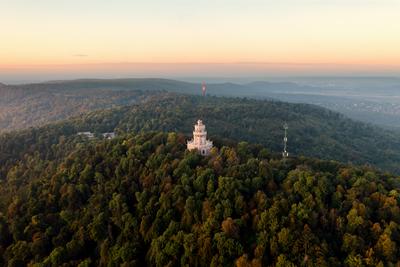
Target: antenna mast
[[285, 154]]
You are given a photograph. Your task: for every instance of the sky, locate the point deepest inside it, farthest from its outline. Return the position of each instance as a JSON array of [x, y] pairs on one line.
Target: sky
[[52, 38]]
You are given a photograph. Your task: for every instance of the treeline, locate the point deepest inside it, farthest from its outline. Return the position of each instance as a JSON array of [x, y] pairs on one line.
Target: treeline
[[143, 200]]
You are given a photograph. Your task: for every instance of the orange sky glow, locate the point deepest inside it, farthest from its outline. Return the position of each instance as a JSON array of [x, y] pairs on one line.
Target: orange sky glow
[[173, 37]]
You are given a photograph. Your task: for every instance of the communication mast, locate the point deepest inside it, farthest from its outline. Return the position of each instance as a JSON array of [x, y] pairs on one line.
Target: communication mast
[[203, 88], [285, 154]]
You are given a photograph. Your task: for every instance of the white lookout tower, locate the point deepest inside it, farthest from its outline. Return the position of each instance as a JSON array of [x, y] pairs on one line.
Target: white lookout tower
[[199, 140]]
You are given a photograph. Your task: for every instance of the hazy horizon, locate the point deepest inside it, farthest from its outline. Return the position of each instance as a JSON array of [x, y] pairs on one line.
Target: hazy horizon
[[187, 71]]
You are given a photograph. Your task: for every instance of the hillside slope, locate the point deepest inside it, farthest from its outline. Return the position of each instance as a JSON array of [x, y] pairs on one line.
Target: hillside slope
[[35, 105], [145, 201]]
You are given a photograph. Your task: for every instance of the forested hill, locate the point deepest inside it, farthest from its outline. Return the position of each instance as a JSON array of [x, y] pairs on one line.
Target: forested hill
[[145, 201], [35, 105], [23, 106], [313, 131]]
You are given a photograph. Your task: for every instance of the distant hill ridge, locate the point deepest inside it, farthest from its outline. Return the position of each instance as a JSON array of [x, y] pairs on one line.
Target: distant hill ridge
[[36, 104]]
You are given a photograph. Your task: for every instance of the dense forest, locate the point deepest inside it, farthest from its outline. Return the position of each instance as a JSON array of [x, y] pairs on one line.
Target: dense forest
[[143, 200], [313, 131]]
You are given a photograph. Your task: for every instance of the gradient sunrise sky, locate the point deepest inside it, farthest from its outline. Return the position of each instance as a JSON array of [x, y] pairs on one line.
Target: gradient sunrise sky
[[177, 36]]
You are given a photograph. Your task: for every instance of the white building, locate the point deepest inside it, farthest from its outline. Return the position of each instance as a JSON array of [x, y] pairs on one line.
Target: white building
[[199, 140], [109, 135], [89, 135]]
